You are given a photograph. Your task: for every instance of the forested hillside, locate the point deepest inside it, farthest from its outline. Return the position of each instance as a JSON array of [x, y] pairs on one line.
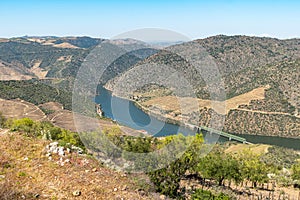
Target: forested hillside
[[245, 64]]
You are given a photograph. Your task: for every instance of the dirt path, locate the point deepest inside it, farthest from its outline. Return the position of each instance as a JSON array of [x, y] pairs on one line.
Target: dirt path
[[55, 116], [27, 108], [266, 112], [19, 109]]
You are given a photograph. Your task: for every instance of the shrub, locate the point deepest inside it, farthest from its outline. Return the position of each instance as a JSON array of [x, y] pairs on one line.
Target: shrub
[[207, 195], [2, 120]]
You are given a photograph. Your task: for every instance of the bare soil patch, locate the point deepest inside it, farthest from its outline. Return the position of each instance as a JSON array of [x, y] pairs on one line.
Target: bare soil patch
[[39, 72], [255, 148], [187, 105], [20, 109], [65, 45]]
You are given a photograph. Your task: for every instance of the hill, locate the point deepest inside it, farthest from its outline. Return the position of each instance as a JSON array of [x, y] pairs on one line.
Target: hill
[[245, 64], [26, 172], [58, 57]]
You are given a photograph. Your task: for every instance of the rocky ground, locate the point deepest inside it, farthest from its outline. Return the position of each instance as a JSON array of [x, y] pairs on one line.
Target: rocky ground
[[32, 168]]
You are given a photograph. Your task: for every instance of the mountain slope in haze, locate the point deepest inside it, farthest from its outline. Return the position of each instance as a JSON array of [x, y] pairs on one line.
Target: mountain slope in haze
[[245, 64], [61, 57], [37, 56]]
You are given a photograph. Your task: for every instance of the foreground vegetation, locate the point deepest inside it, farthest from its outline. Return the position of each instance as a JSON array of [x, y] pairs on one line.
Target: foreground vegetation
[[244, 169], [43, 129], [235, 172]]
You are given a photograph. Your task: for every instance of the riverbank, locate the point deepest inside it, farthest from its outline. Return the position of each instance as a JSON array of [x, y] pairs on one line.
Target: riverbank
[[170, 125], [157, 115]]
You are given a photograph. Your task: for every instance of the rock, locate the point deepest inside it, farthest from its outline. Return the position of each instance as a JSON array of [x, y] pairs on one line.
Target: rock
[[94, 169], [2, 177], [77, 193], [124, 187], [162, 197], [142, 193], [36, 196], [115, 189], [61, 151], [54, 144], [48, 154], [78, 149], [26, 158]]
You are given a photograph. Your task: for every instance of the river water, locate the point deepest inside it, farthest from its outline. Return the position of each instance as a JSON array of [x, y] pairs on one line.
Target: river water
[[125, 112]]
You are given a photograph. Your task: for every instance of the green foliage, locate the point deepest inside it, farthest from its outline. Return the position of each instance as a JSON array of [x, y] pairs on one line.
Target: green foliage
[[82, 42], [253, 168], [167, 179], [24, 125], [47, 111], [45, 130], [220, 166], [22, 174], [280, 157], [34, 92], [207, 195], [296, 172], [2, 120]]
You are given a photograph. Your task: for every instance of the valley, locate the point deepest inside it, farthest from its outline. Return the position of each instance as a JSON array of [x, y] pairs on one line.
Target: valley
[[260, 103]]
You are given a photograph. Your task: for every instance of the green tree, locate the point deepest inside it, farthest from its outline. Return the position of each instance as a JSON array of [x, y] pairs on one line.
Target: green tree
[[207, 195], [219, 166], [296, 172], [2, 120], [253, 168], [167, 179]]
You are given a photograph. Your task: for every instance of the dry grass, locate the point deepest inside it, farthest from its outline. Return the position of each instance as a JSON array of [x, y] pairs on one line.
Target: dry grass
[[55, 106], [39, 72], [65, 45], [188, 105], [9, 72], [66, 59], [28, 172], [255, 148], [19, 109]]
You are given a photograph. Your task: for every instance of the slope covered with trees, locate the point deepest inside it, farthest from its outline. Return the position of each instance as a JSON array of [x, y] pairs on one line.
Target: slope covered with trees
[[245, 63]]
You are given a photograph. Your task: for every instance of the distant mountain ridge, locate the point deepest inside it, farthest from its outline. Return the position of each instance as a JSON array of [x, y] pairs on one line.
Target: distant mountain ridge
[[245, 63]]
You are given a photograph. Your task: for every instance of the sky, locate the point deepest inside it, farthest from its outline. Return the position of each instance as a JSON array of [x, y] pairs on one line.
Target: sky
[[192, 18]]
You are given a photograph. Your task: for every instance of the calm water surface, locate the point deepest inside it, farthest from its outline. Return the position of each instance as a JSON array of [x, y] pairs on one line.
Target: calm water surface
[[126, 113]]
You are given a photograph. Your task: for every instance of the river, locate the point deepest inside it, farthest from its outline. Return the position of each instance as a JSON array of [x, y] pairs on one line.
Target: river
[[125, 112]]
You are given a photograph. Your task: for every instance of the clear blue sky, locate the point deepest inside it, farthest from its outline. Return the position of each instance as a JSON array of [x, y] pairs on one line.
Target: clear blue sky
[[193, 18]]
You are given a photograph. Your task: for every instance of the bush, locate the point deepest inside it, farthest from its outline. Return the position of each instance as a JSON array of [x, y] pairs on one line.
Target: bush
[[23, 125], [207, 195], [45, 130], [2, 120]]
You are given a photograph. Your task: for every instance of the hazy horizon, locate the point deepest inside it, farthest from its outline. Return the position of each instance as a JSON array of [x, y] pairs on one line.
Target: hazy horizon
[[194, 19], [66, 36]]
